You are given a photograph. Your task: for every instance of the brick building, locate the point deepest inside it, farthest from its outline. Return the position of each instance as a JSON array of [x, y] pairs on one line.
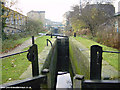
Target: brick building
[[15, 21]]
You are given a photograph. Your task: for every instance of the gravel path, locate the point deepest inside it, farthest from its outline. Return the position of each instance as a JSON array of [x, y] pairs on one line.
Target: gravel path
[[20, 47]]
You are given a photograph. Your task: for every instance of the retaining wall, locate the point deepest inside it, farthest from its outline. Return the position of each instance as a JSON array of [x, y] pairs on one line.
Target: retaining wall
[[50, 65], [79, 58]]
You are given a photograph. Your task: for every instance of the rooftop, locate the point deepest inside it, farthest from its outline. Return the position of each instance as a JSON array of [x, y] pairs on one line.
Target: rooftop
[[37, 11]]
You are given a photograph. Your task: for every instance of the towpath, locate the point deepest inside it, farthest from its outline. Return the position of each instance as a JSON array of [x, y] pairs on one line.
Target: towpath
[[20, 47]]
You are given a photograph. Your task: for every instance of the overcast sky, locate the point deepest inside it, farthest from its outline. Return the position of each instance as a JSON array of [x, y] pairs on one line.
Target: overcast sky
[[54, 9]]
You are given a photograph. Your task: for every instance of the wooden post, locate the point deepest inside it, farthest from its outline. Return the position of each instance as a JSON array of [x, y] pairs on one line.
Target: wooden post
[[96, 62]]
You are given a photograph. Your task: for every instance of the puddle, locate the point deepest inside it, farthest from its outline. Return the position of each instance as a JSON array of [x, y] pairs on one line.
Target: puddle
[[63, 80]]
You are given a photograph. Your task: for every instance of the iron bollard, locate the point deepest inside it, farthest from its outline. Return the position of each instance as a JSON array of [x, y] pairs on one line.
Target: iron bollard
[[51, 35], [74, 34]]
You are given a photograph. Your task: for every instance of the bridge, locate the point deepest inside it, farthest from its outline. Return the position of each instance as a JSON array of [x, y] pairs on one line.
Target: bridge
[[66, 57]]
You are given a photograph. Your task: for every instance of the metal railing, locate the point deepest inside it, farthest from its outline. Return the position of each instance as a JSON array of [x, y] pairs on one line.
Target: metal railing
[[96, 61], [110, 51], [95, 82], [38, 80], [13, 54], [31, 56], [57, 35], [49, 42]]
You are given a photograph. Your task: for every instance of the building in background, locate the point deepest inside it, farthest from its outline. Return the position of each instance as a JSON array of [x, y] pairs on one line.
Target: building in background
[[37, 15], [15, 21], [107, 8], [119, 6]]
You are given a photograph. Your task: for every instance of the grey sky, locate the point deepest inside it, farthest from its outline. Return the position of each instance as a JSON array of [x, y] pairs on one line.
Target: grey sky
[[54, 8]]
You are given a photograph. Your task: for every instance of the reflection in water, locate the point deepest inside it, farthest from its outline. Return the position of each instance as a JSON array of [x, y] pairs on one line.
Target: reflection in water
[[64, 80]]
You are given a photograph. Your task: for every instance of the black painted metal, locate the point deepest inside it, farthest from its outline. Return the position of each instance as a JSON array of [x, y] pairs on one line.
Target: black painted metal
[[49, 41], [13, 54], [96, 62], [110, 51], [63, 54], [28, 83], [33, 40], [58, 35], [101, 84], [33, 57], [51, 35], [74, 34]]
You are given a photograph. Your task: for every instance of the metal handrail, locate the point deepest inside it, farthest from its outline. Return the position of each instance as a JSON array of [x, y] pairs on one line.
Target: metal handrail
[[13, 54], [49, 41], [55, 35], [110, 51]]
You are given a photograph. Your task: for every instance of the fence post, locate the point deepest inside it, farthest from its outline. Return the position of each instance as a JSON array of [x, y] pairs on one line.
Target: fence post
[[96, 62]]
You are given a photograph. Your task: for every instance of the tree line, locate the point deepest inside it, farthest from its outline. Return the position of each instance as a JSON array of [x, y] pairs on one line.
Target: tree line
[[96, 22]]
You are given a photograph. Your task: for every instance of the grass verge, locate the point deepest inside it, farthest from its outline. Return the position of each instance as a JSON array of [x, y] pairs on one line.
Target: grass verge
[[111, 58], [11, 44], [14, 66]]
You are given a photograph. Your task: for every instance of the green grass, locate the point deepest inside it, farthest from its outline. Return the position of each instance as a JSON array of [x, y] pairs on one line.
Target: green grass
[[41, 42], [10, 44], [14, 66], [111, 58]]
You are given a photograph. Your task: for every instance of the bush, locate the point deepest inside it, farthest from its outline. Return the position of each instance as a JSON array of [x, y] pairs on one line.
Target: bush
[[110, 39]]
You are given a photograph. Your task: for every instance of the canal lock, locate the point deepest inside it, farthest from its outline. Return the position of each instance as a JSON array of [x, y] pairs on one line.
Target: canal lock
[[64, 79]]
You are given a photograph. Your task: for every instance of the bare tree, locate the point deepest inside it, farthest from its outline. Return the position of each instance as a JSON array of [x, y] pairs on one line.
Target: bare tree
[[91, 17], [33, 27]]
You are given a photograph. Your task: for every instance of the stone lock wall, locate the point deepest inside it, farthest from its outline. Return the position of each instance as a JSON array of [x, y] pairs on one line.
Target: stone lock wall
[[79, 58]]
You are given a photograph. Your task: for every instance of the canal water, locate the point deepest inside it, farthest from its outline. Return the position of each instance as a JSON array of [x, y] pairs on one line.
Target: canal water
[[63, 80]]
